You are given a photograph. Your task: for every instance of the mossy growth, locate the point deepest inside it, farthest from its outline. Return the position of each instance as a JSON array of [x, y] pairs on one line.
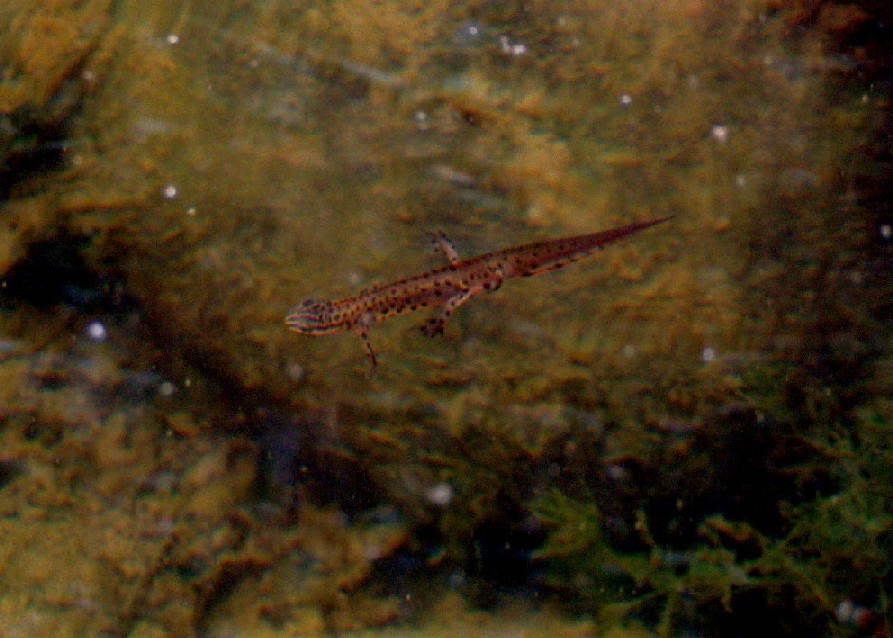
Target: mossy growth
[[835, 548], [653, 585]]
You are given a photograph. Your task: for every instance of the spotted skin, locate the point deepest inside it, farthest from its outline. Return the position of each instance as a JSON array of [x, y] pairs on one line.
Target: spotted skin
[[448, 287]]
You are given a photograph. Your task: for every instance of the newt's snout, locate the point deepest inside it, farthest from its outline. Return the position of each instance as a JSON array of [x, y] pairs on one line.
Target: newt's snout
[[313, 316]]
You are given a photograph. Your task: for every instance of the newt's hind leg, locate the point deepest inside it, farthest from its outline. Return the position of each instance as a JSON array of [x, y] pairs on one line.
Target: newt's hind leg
[[435, 325], [443, 245]]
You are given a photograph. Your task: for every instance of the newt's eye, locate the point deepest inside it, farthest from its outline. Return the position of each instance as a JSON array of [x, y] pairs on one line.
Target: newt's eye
[[309, 304]]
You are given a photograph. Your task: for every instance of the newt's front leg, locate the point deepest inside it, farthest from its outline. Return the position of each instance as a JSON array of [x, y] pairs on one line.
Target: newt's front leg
[[363, 331]]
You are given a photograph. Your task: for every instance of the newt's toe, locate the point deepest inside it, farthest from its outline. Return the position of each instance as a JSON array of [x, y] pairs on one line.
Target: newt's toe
[[432, 328]]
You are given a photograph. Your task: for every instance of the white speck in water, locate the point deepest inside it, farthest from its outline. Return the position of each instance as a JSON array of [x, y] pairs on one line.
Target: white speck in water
[[740, 180], [172, 38], [511, 48], [844, 611], [626, 99], [617, 472], [469, 34], [886, 231], [708, 354], [166, 389], [421, 119], [169, 191], [629, 351], [191, 211], [295, 371], [720, 133], [96, 331], [440, 494]]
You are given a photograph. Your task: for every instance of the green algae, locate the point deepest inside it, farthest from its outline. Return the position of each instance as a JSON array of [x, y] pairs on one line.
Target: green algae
[[115, 523], [309, 148], [831, 547], [50, 55], [319, 228], [272, 209], [624, 586]]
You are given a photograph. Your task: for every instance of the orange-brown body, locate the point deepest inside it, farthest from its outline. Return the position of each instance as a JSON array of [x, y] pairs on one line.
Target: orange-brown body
[[447, 287]]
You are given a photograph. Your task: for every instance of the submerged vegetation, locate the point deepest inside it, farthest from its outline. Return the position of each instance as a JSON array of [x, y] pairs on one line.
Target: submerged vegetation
[[833, 551], [691, 437]]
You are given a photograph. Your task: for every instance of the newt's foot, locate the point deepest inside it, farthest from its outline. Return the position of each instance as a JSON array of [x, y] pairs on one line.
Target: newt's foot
[[432, 328], [442, 244]]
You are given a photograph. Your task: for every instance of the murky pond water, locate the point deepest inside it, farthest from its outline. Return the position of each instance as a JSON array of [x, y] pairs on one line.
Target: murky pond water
[[686, 433]]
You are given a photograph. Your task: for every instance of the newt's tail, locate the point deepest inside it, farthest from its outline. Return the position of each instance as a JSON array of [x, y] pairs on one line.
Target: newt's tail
[[608, 236]]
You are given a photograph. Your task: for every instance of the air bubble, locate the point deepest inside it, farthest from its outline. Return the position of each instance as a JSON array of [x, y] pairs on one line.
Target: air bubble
[[470, 33], [720, 132], [440, 494], [96, 331]]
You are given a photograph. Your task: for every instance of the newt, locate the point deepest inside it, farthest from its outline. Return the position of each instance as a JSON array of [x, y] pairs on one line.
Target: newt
[[447, 287]]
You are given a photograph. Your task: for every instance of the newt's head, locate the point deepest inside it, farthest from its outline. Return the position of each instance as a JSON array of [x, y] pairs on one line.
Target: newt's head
[[315, 317]]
